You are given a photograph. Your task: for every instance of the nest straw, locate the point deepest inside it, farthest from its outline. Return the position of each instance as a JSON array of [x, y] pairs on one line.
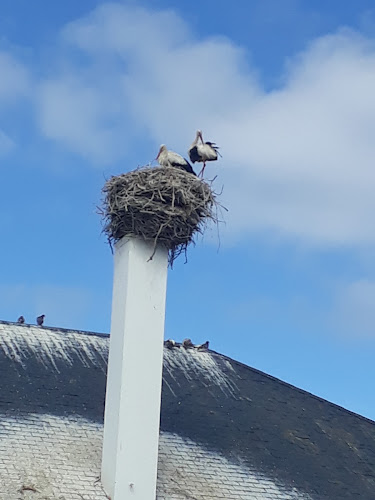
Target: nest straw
[[161, 204]]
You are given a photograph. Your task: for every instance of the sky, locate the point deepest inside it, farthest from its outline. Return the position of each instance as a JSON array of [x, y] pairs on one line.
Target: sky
[[91, 89]]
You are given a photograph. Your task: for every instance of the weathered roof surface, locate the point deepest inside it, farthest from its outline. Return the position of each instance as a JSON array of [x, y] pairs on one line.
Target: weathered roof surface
[[227, 431]]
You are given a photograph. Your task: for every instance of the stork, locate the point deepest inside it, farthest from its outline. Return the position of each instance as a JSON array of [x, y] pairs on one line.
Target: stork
[[202, 152], [168, 158]]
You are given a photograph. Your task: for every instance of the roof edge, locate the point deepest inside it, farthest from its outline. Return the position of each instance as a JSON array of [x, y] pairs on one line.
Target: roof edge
[[56, 329]]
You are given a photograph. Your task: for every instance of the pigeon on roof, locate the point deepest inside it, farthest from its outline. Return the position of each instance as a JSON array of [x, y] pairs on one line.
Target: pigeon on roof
[[170, 343], [21, 320], [187, 343], [203, 347], [168, 158], [202, 152], [40, 319]]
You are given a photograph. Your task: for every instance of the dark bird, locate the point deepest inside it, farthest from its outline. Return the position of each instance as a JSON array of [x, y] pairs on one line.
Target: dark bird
[[40, 319], [170, 343], [202, 152], [187, 343], [168, 158], [21, 320], [203, 347]]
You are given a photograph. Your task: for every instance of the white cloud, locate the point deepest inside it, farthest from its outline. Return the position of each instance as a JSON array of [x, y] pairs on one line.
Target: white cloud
[[75, 113], [142, 79], [298, 160]]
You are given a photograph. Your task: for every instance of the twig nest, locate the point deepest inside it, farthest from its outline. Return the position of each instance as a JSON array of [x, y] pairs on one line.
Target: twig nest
[[162, 204]]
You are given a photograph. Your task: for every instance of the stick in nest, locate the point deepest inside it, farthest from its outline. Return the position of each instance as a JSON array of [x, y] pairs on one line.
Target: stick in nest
[[161, 204]]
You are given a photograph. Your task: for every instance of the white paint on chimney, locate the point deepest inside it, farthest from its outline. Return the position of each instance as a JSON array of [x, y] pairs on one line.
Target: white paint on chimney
[[132, 409]]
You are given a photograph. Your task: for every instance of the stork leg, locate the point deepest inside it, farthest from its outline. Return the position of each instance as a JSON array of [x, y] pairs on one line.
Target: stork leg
[[202, 171]]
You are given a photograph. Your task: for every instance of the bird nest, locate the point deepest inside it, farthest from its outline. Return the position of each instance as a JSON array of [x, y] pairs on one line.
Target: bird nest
[[165, 205]]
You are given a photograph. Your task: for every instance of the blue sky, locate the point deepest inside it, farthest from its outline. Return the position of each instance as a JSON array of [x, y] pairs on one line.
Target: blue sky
[[90, 89]]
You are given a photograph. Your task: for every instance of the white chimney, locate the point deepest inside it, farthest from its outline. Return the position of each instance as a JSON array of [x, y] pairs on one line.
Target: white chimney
[[132, 408]]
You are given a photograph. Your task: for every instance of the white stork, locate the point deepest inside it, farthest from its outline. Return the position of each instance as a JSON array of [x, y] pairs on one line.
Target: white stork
[[171, 159], [202, 151]]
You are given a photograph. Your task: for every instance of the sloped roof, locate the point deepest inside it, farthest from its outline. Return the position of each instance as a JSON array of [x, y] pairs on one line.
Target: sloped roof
[[227, 430]]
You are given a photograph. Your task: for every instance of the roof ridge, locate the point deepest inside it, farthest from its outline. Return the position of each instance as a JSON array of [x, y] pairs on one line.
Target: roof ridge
[[303, 391], [55, 328]]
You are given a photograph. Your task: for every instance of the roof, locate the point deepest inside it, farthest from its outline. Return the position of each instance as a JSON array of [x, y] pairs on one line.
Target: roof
[[228, 431]]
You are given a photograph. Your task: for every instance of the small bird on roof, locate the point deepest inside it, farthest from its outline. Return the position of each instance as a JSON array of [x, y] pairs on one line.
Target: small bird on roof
[[21, 320], [40, 319], [170, 343], [202, 152], [187, 343], [203, 347], [168, 158]]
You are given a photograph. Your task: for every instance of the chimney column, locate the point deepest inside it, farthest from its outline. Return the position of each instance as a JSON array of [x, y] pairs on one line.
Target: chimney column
[[133, 396]]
